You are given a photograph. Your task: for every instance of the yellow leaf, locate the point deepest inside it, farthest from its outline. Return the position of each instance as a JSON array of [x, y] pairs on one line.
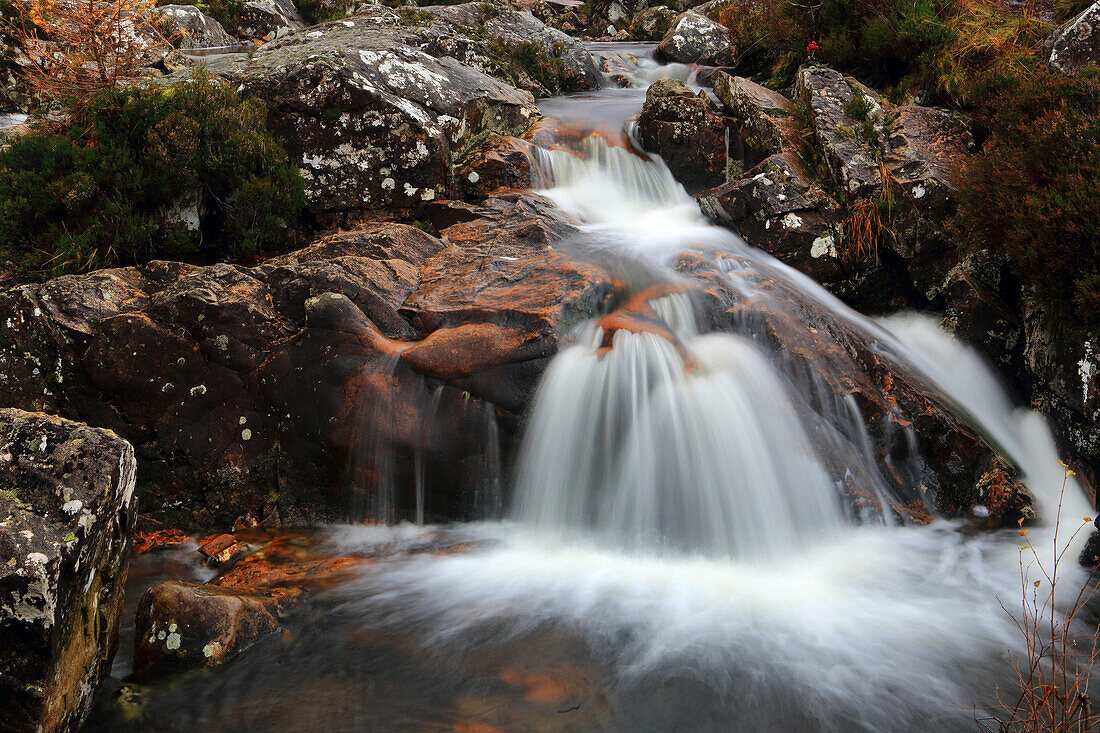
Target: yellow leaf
[[1038, 583], [1022, 532]]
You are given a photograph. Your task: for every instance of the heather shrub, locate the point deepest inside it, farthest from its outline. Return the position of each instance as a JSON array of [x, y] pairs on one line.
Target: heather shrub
[[1033, 192], [134, 177], [931, 47]]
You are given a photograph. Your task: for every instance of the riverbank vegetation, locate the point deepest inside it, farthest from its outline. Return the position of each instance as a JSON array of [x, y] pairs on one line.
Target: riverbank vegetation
[[145, 172], [1031, 191]]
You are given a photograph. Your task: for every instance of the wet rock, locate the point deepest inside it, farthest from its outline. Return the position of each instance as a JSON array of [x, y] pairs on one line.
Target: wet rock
[[181, 625], [696, 39], [977, 293], [190, 28], [764, 119], [269, 19], [846, 118], [927, 149], [930, 461], [66, 519], [653, 23], [372, 122], [157, 539], [502, 268], [502, 162], [1077, 43], [186, 625], [686, 130]]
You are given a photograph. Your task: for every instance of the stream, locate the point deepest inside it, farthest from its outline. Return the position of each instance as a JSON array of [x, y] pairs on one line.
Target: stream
[[677, 554]]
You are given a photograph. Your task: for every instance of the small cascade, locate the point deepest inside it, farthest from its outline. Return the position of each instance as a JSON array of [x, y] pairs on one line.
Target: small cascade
[[411, 437], [691, 444]]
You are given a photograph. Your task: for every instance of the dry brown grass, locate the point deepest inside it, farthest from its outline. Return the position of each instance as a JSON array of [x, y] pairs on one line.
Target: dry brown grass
[[869, 223], [1052, 679]]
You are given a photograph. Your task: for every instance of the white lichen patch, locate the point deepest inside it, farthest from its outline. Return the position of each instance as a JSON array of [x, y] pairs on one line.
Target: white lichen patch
[[1086, 369], [823, 246]]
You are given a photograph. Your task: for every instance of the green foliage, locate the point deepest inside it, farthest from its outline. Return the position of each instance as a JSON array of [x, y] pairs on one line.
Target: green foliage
[[530, 58], [230, 13], [99, 193], [932, 47], [1034, 191], [316, 11], [859, 106]]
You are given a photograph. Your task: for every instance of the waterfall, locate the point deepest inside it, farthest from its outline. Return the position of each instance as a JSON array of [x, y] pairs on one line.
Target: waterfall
[[700, 449]]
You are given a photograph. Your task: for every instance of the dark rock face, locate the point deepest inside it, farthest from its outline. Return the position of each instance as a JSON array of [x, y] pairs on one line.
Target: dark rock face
[[926, 148], [66, 522], [191, 28], [1077, 43], [279, 389], [696, 39], [372, 122], [686, 131], [1066, 385]]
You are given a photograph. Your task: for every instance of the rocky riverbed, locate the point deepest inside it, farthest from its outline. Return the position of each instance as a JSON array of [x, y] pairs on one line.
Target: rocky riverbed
[[386, 370]]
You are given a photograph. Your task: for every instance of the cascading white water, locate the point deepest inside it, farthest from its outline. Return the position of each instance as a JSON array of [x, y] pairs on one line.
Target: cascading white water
[[776, 613], [700, 450]]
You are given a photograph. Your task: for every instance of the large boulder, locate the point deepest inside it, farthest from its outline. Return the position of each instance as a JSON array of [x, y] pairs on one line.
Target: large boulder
[[269, 19], [511, 45], [687, 131], [846, 119], [652, 23], [190, 28], [301, 388], [696, 39], [764, 120], [373, 123], [66, 522], [1077, 43], [926, 150]]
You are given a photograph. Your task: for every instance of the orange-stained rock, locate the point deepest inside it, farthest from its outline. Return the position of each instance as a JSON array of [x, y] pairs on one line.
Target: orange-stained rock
[[501, 162], [638, 316], [458, 352], [146, 541], [221, 547], [184, 625]]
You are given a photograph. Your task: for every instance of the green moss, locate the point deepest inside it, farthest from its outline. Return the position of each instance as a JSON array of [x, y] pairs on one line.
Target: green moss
[[859, 106], [95, 194], [9, 495], [532, 59]]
